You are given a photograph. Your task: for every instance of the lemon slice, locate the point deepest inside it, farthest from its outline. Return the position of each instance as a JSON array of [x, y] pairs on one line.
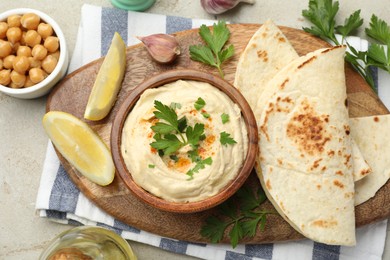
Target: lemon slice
[[108, 81], [80, 146]]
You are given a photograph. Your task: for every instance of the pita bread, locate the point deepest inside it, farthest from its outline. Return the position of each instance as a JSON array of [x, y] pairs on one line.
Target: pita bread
[[305, 154], [371, 135], [266, 53]]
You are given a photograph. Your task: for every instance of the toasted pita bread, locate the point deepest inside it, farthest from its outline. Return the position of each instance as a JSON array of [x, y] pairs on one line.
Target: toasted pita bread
[[371, 135], [266, 53], [305, 151]]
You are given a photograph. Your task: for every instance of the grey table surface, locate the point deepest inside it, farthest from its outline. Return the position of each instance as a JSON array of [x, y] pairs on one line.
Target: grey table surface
[[23, 234]]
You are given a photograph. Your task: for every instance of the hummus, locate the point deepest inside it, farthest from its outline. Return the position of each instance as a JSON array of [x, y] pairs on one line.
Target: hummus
[[167, 176]]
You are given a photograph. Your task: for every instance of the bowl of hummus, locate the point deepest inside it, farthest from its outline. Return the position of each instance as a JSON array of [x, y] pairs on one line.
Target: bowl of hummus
[[184, 141]]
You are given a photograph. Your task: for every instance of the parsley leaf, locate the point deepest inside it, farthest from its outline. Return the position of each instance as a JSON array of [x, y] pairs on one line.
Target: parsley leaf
[[225, 139], [225, 118], [199, 103], [322, 14], [193, 134], [213, 53], [201, 164], [166, 113], [244, 219]]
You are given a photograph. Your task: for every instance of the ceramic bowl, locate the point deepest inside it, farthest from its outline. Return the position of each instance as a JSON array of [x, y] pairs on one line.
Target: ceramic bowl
[[43, 87], [159, 80]]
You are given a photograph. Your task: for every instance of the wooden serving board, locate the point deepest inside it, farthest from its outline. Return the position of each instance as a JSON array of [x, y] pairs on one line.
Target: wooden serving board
[[71, 96]]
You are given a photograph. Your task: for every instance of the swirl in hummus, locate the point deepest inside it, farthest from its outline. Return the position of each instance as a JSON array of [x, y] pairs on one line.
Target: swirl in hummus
[[167, 176]]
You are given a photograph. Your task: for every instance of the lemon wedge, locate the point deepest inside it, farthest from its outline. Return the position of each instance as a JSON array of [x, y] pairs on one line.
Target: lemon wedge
[[108, 81], [80, 146]]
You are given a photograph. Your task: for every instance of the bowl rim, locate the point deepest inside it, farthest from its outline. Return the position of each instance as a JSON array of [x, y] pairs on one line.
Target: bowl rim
[[159, 80], [61, 60]]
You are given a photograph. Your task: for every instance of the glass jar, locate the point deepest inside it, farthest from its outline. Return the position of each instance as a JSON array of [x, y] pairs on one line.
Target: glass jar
[[133, 5], [87, 243]]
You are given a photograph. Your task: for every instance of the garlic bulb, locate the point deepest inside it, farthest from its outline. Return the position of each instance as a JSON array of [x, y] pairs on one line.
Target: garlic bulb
[[163, 48], [220, 6]]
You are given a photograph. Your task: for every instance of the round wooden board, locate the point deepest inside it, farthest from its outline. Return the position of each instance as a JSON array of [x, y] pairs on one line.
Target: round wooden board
[[71, 96]]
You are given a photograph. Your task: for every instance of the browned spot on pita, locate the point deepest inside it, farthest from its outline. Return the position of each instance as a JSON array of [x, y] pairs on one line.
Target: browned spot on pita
[[263, 127], [303, 226], [325, 223], [262, 54], [339, 173], [307, 130], [376, 119], [348, 195], [318, 186], [264, 34], [347, 130], [254, 45], [323, 168], [281, 39], [364, 172], [316, 163], [283, 84], [338, 184], [331, 153], [268, 184], [280, 161], [307, 62], [347, 159]]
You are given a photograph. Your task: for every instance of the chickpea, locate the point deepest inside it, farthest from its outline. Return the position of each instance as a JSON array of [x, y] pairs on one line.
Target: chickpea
[[36, 75], [49, 63], [51, 43], [24, 51], [21, 64], [8, 62], [5, 48], [14, 34], [34, 63], [32, 38], [5, 77], [14, 85], [23, 39], [39, 52], [15, 47], [45, 30], [14, 20], [3, 29], [28, 82], [18, 78], [56, 55], [30, 21]]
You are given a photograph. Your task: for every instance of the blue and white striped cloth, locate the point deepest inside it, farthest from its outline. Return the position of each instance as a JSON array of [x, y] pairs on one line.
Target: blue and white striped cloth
[[59, 199]]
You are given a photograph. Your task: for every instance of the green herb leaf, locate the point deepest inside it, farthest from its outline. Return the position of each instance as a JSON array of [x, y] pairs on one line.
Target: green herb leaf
[[169, 144], [214, 229], [322, 14], [163, 128], [353, 22], [151, 166], [199, 166], [205, 115], [244, 219], [225, 139], [193, 134], [199, 103], [379, 30], [213, 53], [165, 113], [225, 118], [175, 105]]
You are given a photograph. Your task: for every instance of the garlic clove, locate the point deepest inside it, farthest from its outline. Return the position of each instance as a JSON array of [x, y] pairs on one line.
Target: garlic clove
[[221, 6], [163, 48]]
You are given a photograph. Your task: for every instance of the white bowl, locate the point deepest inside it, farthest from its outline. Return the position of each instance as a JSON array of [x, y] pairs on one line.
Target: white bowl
[[43, 87]]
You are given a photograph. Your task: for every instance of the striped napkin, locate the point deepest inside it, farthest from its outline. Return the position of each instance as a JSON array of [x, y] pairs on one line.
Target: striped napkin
[[60, 200]]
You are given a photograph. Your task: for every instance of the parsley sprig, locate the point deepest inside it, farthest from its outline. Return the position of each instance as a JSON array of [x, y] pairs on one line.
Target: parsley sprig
[[213, 53], [174, 133], [241, 213], [322, 14]]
